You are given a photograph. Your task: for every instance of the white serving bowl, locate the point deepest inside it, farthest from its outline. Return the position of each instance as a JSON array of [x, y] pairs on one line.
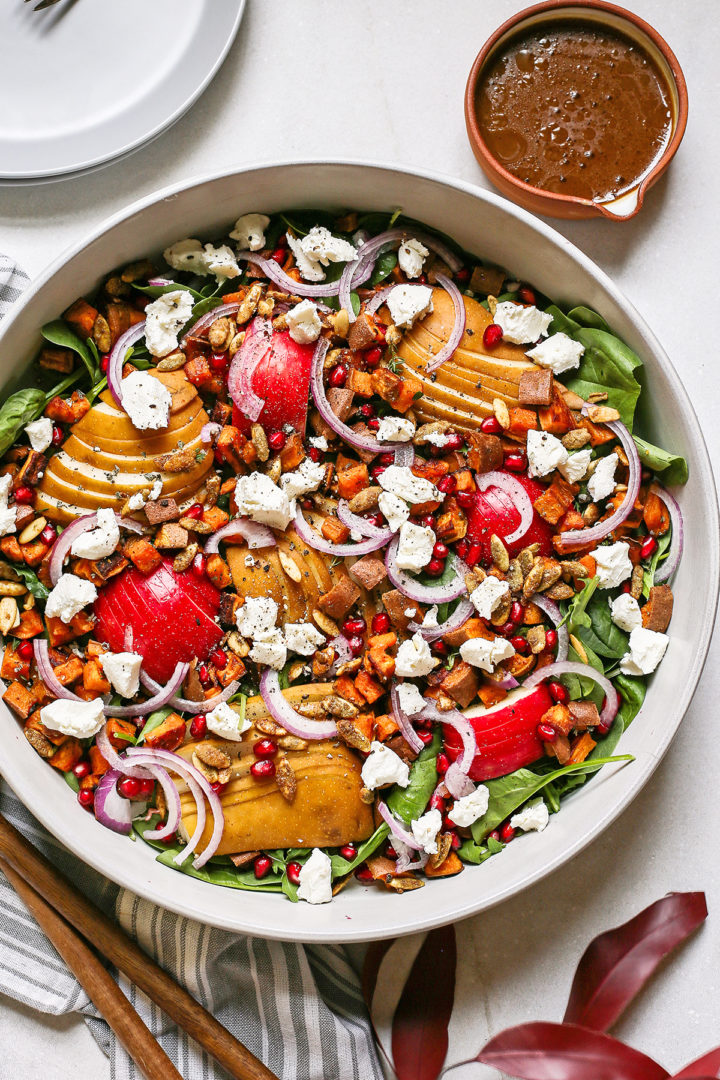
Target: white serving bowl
[[498, 231]]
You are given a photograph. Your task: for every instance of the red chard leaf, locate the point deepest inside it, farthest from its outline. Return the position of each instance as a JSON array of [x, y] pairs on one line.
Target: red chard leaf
[[420, 1023], [544, 1051], [706, 1067], [617, 964]]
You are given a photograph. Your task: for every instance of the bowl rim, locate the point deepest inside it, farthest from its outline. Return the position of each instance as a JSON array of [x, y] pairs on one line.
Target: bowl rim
[[489, 161], [645, 764]]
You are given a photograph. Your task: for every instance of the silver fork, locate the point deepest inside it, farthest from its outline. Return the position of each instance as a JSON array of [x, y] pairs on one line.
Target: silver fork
[[44, 4]]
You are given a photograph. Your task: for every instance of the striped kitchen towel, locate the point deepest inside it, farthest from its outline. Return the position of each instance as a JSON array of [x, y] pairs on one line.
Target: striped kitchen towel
[[298, 1008]]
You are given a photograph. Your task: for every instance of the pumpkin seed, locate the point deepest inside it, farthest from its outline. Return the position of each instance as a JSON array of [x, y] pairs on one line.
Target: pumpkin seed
[[32, 531], [290, 567], [499, 553]]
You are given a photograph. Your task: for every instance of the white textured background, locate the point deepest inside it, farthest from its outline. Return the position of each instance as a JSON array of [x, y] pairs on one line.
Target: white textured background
[[384, 81]]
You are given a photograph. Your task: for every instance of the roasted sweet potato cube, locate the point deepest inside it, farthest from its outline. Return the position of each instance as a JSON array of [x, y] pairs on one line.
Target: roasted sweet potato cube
[[554, 502], [451, 865], [81, 316], [363, 332], [94, 678], [369, 571], [370, 688], [67, 756], [293, 453], [345, 687], [215, 517], [581, 747], [485, 453], [360, 382], [560, 718], [68, 410], [169, 735], [70, 671], [584, 714], [353, 480], [218, 571], [461, 683], [53, 359], [31, 625], [656, 614], [536, 387], [234, 669], [385, 727], [143, 555], [556, 417], [397, 607], [19, 699], [337, 602], [13, 666], [334, 531]]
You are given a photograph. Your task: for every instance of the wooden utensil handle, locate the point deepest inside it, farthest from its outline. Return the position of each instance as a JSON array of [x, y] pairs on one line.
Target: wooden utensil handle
[[126, 955], [98, 984]]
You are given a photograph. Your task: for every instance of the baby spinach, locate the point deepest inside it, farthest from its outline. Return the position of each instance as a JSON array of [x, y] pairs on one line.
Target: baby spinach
[[32, 582], [205, 304], [656, 559], [154, 720], [20, 409], [471, 852], [159, 290], [59, 333], [71, 780], [386, 263], [341, 867], [409, 803], [672, 467], [632, 691], [508, 793]]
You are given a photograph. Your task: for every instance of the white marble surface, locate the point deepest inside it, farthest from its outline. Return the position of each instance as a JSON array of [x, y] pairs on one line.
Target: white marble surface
[[384, 81]]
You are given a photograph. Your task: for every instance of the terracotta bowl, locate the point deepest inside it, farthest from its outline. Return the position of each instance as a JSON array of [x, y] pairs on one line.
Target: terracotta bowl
[[611, 17]]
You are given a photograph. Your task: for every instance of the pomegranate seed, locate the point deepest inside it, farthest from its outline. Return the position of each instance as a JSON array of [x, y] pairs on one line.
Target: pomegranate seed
[[219, 658], [494, 835], [447, 485], [129, 788], [442, 764], [422, 280], [491, 426], [626, 586], [429, 521], [515, 462], [195, 511], [198, 727], [104, 363], [278, 255], [82, 769], [355, 645], [146, 786], [546, 732], [338, 376], [25, 650], [526, 294], [293, 872], [218, 788], [506, 833], [203, 674], [437, 803], [550, 639], [465, 499], [349, 851], [440, 648], [218, 361], [261, 866], [377, 471], [425, 737], [169, 840], [263, 769], [473, 554], [58, 435], [199, 566], [48, 535], [375, 519], [373, 425], [387, 458], [462, 547], [24, 495], [603, 729], [277, 440], [367, 410], [435, 567], [373, 356], [440, 550], [463, 274], [448, 823], [265, 748], [380, 623], [506, 629], [353, 627], [558, 692], [315, 454], [86, 798], [453, 442], [364, 875], [649, 547], [307, 504], [520, 645], [455, 840], [517, 611], [492, 336]]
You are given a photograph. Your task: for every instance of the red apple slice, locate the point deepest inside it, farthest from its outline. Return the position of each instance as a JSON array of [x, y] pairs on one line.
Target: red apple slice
[[493, 511], [506, 733], [282, 380]]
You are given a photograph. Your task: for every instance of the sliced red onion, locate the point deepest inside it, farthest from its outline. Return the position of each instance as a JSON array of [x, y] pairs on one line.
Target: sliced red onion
[[555, 614], [405, 863], [580, 537], [116, 359], [360, 524], [378, 299], [458, 326], [254, 535], [404, 455], [667, 568], [457, 782], [342, 652], [570, 667], [111, 810], [66, 539], [506, 682], [205, 321], [208, 432], [172, 798], [403, 722], [162, 697], [283, 713], [456, 778], [398, 830], [425, 594], [45, 671], [459, 617], [517, 493], [360, 442], [114, 760], [193, 707], [160, 281], [194, 840], [297, 288], [184, 769], [314, 540], [258, 338]]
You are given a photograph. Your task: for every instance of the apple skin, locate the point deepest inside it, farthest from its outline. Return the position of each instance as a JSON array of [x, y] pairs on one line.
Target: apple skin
[[171, 616], [282, 379], [506, 734], [494, 512]]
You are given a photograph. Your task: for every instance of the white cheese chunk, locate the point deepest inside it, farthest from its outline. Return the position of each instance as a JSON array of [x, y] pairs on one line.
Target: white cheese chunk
[[470, 807], [383, 766], [249, 231], [80, 719], [532, 818], [545, 452], [260, 499], [414, 658], [425, 830], [486, 654], [70, 595], [401, 481], [40, 433], [576, 466], [257, 617], [146, 401], [123, 671], [225, 722], [303, 322], [613, 564], [395, 510], [488, 595], [647, 648], [8, 514], [270, 650], [321, 246], [411, 700], [221, 262], [602, 482], [301, 481], [186, 255], [303, 638], [430, 618], [319, 442], [559, 353], [521, 325], [315, 879], [101, 541], [625, 612], [411, 257], [395, 429], [415, 547], [164, 318], [406, 303]]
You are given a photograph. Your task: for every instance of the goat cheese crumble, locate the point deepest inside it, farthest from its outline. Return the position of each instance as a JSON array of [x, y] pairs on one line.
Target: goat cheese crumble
[[382, 767], [319, 248], [306, 478], [395, 510], [647, 648], [123, 671], [470, 807], [602, 482], [613, 564], [545, 452], [101, 541], [411, 257], [8, 514], [532, 818], [79, 719], [225, 722], [414, 658], [70, 596], [257, 617], [146, 401], [303, 322], [625, 612], [401, 481], [249, 231], [559, 353], [260, 499], [521, 325], [40, 433], [576, 466], [488, 595], [410, 699], [425, 830], [164, 319], [486, 654], [415, 547], [303, 638], [315, 879], [395, 429], [406, 303]]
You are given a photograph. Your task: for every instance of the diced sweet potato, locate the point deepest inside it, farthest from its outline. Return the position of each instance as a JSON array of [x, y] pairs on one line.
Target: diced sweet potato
[[67, 756], [11, 549], [35, 552], [293, 453], [397, 607], [234, 669], [363, 332], [30, 471], [352, 480], [218, 571], [94, 678], [97, 762], [461, 683], [334, 531], [451, 525], [556, 500], [13, 666], [581, 747], [70, 671], [408, 394], [81, 316], [198, 371], [215, 517], [116, 729], [556, 417], [521, 421], [485, 453], [656, 614], [472, 628], [68, 410], [360, 382], [559, 717], [53, 359], [337, 602], [169, 735], [143, 555], [584, 714], [655, 515], [451, 865], [369, 571], [491, 695], [385, 727], [599, 434], [19, 699], [370, 688], [536, 387], [31, 625], [345, 687]]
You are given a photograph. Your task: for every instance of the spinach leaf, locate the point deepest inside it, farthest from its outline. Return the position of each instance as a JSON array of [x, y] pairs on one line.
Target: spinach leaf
[[302, 221], [602, 635], [71, 780], [409, 803], [632, 691], [159, 290], [479, 853], [657, 558], [59, 333], [341, 867], [205, 304], [154, 720], [32, 582], [585, 316], [672, 467], [386, 263], [20, 409], [507, 793]]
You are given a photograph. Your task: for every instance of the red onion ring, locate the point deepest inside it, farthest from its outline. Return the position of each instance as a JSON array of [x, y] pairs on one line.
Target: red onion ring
[[41, 649], [172, 798], [254, 535], [116, 359], [244, 364], [425, 594], [403, 722], [360, 442], [506, 682], [667, 568], [313, 539], [360, 524], [458, 326], [66, 539], [162, 697], [405, 863], [194, 840], [108, 751], [404, 455], [283, 713], [206, 320], [208, 432], [192, 707], [161, 281], [111, 810], [459, 617], [519, 496], [297, 288], [456, 778], [570, 667], [555, 614], [395, 827], [580, 537], [378, 299]]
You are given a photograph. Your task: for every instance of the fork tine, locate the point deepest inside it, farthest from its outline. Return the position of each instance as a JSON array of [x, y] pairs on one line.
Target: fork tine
[[45, 4]]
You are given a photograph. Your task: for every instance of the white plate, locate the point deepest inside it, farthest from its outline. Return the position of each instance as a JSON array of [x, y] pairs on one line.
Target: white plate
[[531, 250], [87, 81]]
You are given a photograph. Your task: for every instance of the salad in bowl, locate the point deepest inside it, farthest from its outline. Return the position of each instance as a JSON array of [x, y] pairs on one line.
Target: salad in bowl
[[328, 554]]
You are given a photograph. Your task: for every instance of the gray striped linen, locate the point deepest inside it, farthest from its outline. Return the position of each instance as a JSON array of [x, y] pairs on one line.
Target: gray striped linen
[[298, 1008]]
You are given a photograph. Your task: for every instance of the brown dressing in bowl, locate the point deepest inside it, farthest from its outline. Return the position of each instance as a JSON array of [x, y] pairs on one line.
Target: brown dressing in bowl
[[575, 108]]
